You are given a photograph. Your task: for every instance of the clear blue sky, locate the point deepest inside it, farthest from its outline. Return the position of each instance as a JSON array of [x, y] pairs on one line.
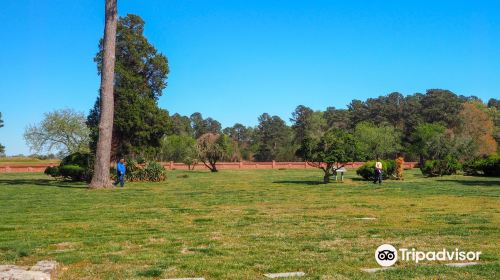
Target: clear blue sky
[[235, 59]]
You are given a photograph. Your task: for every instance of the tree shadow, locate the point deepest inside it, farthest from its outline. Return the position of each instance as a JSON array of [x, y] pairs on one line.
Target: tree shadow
[[300, 182], [492, 183], [360, 179], [43, 182]]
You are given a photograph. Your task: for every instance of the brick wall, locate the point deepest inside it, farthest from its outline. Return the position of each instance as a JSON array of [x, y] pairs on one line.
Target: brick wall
[[180, 166]]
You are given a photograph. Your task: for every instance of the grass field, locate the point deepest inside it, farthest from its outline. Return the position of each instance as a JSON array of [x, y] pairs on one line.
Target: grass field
[[241, 224], [11, 161]]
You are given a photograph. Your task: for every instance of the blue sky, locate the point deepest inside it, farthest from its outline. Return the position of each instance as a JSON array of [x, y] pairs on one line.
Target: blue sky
[[235, 59]]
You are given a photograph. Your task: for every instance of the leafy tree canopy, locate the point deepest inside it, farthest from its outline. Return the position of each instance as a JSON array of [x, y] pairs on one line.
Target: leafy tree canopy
[[213, 148], [178, 148], [307, 123], [382, 141], [273, 136], [477, 127], [62, 130], [202, 126], [140, 78], [329, 152]]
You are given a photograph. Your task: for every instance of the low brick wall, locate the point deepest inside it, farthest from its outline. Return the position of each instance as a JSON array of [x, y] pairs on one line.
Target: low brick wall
[[200, 166], [23, 168], [264, 165]]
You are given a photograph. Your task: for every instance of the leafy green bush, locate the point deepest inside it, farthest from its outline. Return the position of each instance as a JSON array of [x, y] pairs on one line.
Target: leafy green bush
[[52, 171], [488, 166], [76, 167], [367, 170], [155, 172], [491, 166], [73, 172], [80, 159], [441, 167]]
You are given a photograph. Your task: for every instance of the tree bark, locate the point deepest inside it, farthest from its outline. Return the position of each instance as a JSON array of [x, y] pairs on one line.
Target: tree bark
[[103, 153], [328, 173], [326, 178], [213, 167]]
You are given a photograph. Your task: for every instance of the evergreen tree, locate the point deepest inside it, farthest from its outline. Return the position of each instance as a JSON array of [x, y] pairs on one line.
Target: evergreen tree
[[275, 139], [202, 126], [140, 78]]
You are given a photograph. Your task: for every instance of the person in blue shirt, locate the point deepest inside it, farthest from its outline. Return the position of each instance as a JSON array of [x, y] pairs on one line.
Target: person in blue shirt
[[120, 173]]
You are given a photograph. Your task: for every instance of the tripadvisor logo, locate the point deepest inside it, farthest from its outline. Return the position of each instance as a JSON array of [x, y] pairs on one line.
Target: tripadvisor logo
[[387, 255]]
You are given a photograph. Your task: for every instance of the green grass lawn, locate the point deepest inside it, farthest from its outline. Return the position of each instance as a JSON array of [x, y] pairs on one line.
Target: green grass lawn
[[11, 161], [241, 224]]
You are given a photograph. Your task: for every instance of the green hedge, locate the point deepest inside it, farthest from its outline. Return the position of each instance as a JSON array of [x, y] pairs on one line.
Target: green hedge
[[75, 167], [80, 159], [367, 170], [52, 171], [73, 172], [442, 167], [488, 166]]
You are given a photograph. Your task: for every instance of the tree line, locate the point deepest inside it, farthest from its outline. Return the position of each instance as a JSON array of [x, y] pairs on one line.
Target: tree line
[[428, 125], [421, 125]]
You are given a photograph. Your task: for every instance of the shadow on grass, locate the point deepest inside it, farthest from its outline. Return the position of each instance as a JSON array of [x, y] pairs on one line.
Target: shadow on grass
[[300, 182], [357, 179], [43, 182], [191, 171], [490, 183]]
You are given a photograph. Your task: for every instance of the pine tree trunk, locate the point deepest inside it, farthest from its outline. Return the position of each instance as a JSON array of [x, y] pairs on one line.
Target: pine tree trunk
[[103, 155]]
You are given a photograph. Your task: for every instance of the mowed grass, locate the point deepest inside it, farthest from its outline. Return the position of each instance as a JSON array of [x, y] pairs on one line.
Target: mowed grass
[[13, 161], [240, 224]]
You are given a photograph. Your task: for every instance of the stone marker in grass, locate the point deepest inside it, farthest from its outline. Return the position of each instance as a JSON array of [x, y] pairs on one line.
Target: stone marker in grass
[[44, 266], [462, 264], [365, 218], [373, 270], [184, 279], [285, 274], [40, 271]]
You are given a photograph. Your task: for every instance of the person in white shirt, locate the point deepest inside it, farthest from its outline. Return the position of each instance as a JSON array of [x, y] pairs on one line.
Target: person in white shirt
[[378, 172]]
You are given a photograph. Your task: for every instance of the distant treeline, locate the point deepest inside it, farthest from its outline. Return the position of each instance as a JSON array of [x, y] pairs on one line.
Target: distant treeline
[[424, 126], [396, 114]]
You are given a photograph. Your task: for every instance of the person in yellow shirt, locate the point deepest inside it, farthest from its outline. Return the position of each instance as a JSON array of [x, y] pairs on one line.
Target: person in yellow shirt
[[378, 172]]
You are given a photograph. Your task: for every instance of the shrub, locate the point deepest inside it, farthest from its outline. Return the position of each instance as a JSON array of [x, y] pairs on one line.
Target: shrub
[[488, 166], [367, 170], [441, 167], [76, 167], [73, 172], [190, 162], [155, 172], [131, 167], [52, 171], [491, 166], [80, 159], [151, 172]]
